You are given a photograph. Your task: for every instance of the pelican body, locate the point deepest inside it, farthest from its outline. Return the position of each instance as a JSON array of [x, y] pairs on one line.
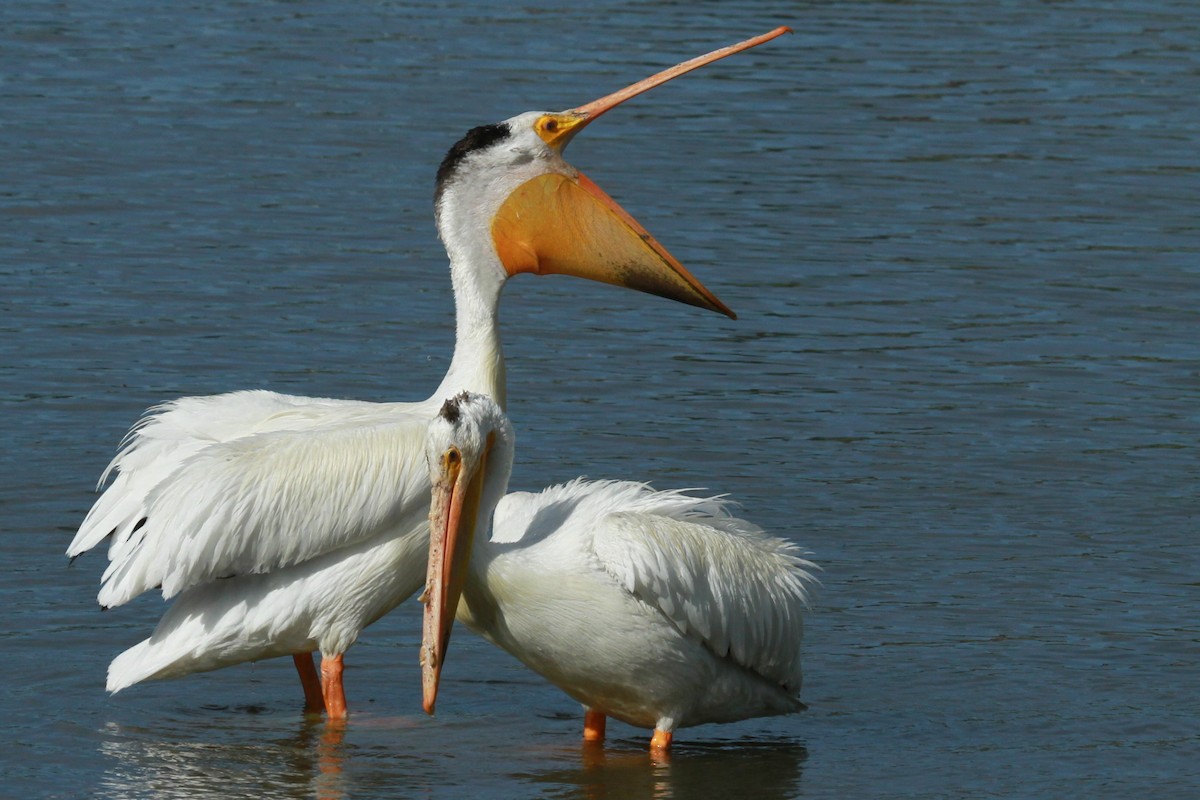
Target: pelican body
[[285, 525], [660, 609]]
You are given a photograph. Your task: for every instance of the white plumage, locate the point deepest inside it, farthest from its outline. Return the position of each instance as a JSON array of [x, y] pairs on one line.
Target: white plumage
[[285, 524], [661, 609], [280, 524], [193, 478]]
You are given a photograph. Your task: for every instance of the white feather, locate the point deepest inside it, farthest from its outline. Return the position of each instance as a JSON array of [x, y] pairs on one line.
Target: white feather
[[272, 500], [718, 578]]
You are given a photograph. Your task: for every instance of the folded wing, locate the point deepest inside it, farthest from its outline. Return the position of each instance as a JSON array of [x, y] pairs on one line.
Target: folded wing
[[718, 578], [212, 487]]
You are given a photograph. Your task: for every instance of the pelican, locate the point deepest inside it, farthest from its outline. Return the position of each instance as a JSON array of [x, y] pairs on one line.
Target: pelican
[[284, 525], [660, 609]]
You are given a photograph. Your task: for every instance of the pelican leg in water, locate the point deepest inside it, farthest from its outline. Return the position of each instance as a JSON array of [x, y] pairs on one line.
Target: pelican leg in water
[[310, 682], [658, 608], [283, 525]]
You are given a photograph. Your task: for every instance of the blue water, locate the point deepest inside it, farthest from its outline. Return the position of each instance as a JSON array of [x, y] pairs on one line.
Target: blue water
[[963, 245]]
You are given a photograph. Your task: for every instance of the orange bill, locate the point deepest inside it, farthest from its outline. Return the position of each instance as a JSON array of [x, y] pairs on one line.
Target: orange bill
[[558, 129], [453, 514]]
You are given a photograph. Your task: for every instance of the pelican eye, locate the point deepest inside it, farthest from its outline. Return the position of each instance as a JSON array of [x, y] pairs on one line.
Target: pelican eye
[[550, 127], [453, 456]]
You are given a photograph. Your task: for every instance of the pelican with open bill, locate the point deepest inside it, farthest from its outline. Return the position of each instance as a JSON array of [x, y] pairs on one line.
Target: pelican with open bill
[[562, 222], [281, 525]]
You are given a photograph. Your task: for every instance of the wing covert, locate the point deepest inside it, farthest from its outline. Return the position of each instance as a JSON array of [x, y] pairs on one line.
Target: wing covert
[[188, 508], [718, 578]]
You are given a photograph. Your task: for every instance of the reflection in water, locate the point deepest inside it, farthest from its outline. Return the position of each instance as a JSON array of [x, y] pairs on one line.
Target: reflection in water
[[761, 768], [328, 779], [265, 755], [251, 760]]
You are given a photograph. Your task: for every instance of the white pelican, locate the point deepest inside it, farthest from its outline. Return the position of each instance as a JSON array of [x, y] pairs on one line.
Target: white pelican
[[657, 608], [284, 524]]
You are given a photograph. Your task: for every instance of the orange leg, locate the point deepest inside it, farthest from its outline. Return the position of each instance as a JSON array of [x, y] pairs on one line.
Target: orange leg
[[314, 702], [593, 726], [331, 687], [660, 742]]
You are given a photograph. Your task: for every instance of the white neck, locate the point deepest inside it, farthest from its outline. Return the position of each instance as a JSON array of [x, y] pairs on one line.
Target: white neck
[[478, 278], [466, 206]]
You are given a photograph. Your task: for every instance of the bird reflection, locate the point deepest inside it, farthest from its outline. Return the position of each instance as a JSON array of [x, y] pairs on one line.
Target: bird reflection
[[285, 756], [246, 760], [328, 781], [757, 768]]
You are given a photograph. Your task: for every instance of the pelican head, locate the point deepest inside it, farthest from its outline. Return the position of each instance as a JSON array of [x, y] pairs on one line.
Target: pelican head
[[468, 447], [546, 217]]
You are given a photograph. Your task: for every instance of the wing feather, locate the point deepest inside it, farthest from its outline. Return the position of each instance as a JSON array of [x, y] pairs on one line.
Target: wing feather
[[250, 482], [169, 434], [718, 578]]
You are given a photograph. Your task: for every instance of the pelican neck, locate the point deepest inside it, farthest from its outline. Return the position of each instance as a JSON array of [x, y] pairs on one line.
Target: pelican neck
[[478, 361]]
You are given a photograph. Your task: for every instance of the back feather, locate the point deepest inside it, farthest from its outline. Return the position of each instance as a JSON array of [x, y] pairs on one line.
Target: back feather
[[718, 578]]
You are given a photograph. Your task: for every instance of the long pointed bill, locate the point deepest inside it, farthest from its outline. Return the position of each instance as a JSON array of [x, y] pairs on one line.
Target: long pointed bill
[[597, 107], [453, 515], [567, 225]]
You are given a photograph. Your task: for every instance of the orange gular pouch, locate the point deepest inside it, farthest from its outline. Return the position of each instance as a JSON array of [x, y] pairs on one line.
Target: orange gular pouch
[[555, 224]]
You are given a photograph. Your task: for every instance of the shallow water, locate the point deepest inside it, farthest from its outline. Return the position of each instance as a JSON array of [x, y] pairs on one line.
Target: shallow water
[[962, 243]]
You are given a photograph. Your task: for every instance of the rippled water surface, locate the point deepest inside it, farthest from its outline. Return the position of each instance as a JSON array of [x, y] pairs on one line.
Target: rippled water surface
[[963, 245]]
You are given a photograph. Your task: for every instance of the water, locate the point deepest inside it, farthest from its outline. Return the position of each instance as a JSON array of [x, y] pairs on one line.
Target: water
[[962, 242]]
